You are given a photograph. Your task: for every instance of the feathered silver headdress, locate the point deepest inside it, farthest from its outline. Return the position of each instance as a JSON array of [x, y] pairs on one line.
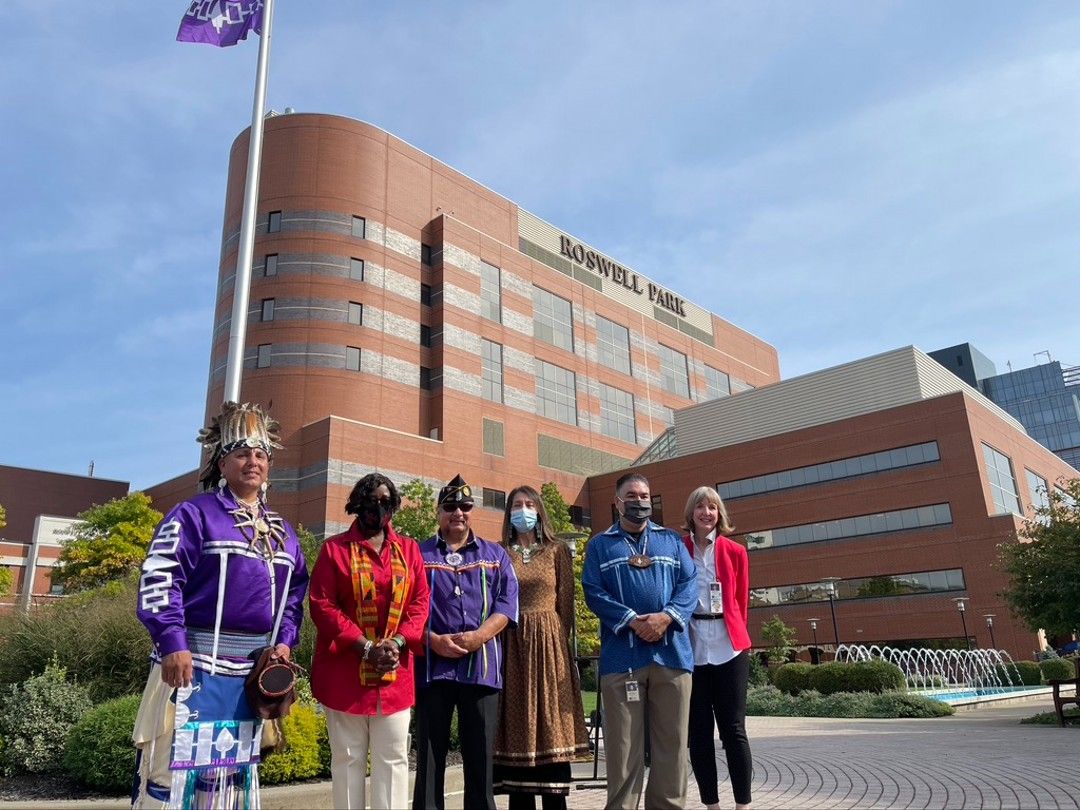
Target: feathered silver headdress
[[236, 426]]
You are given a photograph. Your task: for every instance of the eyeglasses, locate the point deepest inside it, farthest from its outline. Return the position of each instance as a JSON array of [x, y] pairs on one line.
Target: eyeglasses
[[450, 508]]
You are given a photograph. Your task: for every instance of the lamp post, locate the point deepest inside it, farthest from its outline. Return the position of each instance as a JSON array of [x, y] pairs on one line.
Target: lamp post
[[830, 584], [815, 653], [990, 626], [961, 605]]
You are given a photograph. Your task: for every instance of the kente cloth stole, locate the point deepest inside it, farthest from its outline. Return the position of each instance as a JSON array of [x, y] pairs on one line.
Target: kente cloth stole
[[367, 612]]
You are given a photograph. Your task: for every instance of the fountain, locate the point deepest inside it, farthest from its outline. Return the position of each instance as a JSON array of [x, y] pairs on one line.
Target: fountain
[[945, 674]]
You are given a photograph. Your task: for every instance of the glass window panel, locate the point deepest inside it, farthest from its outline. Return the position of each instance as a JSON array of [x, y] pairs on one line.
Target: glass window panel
[[273, 222], [356, 313], [491, 292], [356, 269], [556, 393], [613, 345], [268, 309], [352, 358], [862, 524], [491, 370], [955, 579], [617, 414], [942, 513], [938, 581], [878, 523], [425, 294], [848, 527], [832, 530], [359, 227], [811, 475], [553, 320], [674, 377], [262, 358], [925, 516], [717, 383], [270, 264], [783, 479]]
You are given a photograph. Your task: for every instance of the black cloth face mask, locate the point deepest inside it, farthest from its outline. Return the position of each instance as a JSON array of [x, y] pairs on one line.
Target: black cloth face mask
[[372, 518], [637, 511]]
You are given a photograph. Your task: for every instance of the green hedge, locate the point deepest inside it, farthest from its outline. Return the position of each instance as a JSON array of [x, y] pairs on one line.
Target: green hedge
[[857, 676], [793, 678], [35, 718], [303, 757], [759, 675], [1058, 669], [770, 701], [1027, 671], [99, 752]]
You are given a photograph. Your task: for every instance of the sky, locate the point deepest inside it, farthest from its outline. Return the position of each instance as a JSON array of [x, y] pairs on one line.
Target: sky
[[838, 178]]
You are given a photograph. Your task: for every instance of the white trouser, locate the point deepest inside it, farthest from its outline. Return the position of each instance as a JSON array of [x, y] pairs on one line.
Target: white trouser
[[352, 736]]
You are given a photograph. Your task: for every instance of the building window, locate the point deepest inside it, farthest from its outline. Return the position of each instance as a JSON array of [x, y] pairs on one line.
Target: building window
[[273, 222], [262, 359], [267, 309], [425, 295], [425, 254], [580, 516], [850, 467], [553, 320], [717, 383], [873, 587], [425, 335], [356, 313], [1003, 489], [617, 414], [1040, 494], [556, 393], [494, 499], [613, 345], [359, 227], [674, 377], [490, 292], [270, 265], [491, 370], [425, 378], [352, 358], [356, 269], [493, 437], [918, 517]]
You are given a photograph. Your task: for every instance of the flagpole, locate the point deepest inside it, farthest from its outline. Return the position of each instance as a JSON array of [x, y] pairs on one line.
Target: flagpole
[[234, 366]]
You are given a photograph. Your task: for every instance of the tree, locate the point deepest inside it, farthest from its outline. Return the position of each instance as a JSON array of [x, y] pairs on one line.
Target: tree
[[780, 638], [417, 517], [108, 543], [3, 517], [1043, 565], [588, 626]]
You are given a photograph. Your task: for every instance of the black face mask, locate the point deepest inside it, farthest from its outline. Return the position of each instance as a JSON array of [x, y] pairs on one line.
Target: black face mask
[[373, 517], [637, 511]]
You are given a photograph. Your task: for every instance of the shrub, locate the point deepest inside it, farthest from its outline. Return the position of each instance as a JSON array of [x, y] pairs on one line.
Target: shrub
[[770, 701], [94, 634], [1049, 718], [1057, 669], [1027, 671], [301, 758], [793, 678], [99, 752], [902, 704], [35, 718], [759, 675], [857, 676]]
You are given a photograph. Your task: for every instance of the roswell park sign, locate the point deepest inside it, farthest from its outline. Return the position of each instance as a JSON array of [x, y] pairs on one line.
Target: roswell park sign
[[591, 260]]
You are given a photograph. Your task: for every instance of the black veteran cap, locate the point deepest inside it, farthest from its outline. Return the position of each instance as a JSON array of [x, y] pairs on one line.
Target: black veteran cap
[[456, 492]]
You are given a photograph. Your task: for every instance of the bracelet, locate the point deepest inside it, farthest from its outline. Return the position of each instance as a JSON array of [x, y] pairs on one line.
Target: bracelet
[[367, 649], [400, 641]]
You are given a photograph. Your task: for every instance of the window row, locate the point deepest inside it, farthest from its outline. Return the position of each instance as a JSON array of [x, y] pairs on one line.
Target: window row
[[951, 579], [831, 470], [358, 227], [899, 520]]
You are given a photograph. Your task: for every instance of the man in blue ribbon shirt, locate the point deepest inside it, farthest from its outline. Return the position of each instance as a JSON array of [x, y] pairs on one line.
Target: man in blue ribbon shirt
[[640, 581], [474, 596]]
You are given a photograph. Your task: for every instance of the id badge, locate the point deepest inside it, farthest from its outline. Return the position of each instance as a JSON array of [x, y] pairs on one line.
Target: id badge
[[633, 694], [716, 599]]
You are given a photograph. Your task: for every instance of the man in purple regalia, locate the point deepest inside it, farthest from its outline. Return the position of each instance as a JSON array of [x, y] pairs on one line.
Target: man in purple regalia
[[474, 596], [223, 577]]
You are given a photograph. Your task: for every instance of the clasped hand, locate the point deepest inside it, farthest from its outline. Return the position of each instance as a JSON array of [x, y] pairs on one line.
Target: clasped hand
[[384, 656], [456, 645], [650, 627]]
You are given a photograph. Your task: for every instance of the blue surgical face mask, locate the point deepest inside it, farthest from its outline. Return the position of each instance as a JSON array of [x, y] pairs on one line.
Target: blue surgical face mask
[[524, 519]]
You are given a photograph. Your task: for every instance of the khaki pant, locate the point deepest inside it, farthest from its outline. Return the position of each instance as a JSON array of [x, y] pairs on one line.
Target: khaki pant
[[352, 736], [665, 699]]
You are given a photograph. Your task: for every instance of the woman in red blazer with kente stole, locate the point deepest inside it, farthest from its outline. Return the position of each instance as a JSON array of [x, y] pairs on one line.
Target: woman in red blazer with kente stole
[[721, 648]]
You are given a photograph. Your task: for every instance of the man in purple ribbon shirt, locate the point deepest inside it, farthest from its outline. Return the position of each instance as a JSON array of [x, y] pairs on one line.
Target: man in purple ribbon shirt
[[474, 596], [224, 576]]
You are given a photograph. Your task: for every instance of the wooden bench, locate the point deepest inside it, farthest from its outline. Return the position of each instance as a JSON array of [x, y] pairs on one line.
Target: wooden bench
[[1061, 701]]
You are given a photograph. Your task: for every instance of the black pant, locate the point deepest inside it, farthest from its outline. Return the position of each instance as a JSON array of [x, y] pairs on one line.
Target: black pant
[[720, 691], [527, 801], [478, 715]]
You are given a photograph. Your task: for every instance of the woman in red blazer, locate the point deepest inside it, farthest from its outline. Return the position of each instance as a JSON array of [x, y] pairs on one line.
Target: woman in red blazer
[[721, 648]]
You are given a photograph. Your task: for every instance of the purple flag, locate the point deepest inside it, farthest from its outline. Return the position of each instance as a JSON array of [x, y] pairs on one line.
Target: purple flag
[[220, 22]]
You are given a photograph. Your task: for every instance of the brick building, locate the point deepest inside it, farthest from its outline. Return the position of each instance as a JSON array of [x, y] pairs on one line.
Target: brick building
[[406, 319], [888, 473]]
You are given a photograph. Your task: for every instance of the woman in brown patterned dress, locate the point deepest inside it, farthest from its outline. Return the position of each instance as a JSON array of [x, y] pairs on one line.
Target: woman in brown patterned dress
[[542, 723]]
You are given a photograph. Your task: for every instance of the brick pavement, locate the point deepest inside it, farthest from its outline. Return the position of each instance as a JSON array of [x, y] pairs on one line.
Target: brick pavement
[[978, 759]]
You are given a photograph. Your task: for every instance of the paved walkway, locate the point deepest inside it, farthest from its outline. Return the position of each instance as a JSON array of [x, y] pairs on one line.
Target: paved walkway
[[977, 759]]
